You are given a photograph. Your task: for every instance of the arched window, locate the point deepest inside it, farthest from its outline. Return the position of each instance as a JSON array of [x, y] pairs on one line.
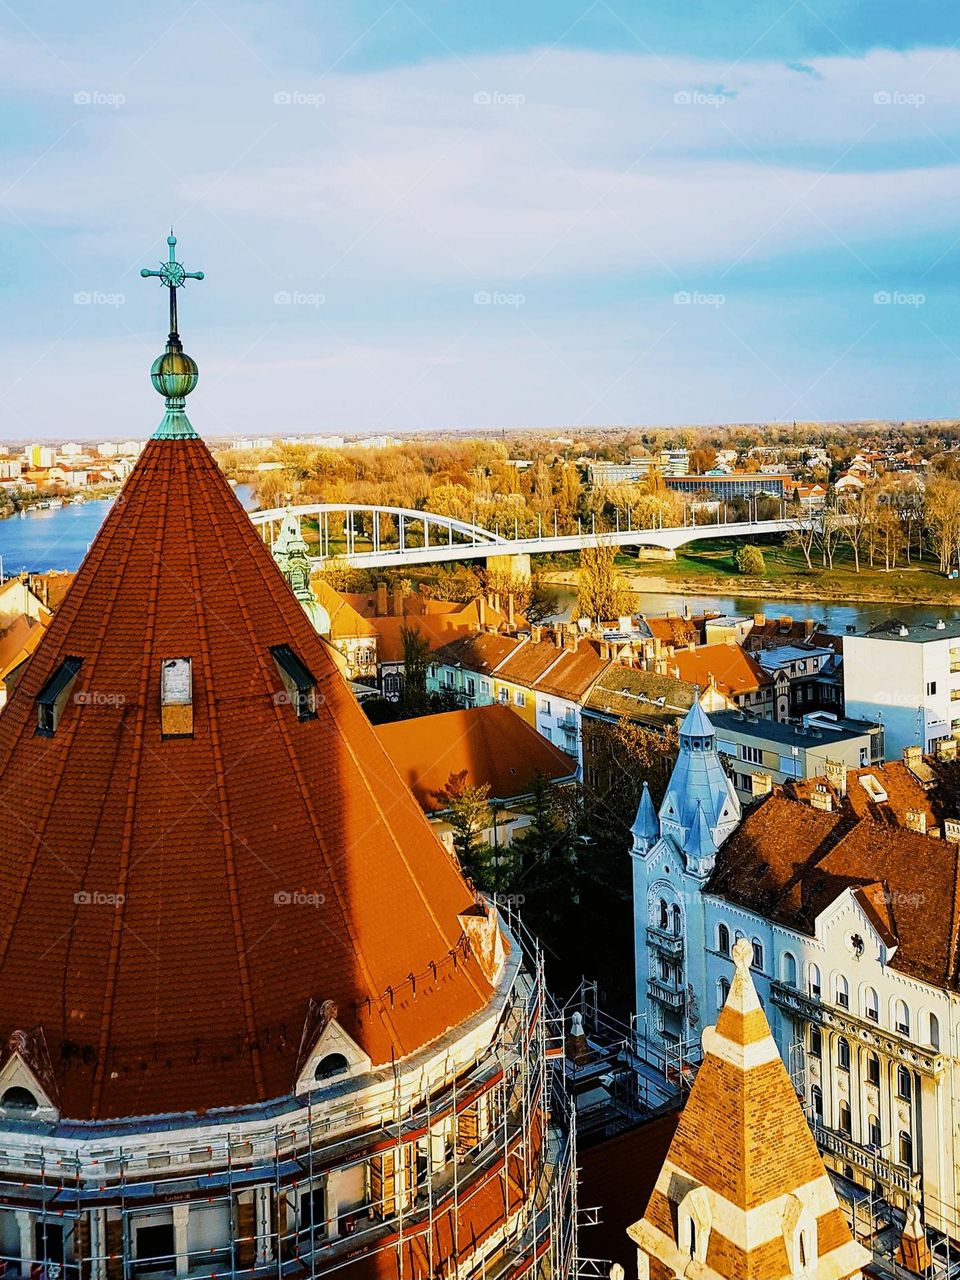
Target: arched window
[[816, 1041], [723, 990], [934, 1031], [723, 939], [871, 1004], [663, 914], [816, 1094], [843, 1053], [904, 1084], [677, 920], [844, 1120], [901, 1017], [813, 981], [757, 962], [331, 1065], [842, 991], [906, 1149], [17, 1099], [873, 1131], [873, 1069], [788, 968]]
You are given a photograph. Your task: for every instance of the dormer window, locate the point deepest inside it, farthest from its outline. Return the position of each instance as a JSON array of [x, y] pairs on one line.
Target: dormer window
[[19, 1101], [52, 698], [176, 698], [334, 1064], [299, 685]]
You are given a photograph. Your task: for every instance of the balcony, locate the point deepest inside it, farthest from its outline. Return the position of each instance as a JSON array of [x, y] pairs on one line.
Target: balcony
[[928, 1061], [869, 1160], [668, 992], [668, 944]]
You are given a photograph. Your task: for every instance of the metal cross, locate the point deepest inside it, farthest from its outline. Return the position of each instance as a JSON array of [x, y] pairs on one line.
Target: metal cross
[[173, 276]]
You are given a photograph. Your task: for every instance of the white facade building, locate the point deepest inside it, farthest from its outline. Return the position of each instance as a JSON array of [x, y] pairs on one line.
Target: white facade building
[[908, 678], [856, 960]]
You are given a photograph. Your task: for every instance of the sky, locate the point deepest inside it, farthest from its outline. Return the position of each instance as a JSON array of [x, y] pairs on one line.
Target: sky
[[422, 215]]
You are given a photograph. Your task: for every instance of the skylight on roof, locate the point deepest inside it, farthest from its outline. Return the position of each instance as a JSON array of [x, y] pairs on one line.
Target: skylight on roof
[[52, 698]]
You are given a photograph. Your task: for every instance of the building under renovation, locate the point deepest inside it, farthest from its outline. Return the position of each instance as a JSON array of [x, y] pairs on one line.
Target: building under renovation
[[253, 1020]]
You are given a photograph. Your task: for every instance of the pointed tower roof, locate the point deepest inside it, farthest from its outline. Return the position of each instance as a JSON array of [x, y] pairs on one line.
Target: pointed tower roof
[[743, 1189], [699, 782], [701, 843], [203, 839], [696, 723], [645, 824]]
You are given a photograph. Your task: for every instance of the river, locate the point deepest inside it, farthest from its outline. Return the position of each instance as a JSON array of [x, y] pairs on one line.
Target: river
[[59, 538]]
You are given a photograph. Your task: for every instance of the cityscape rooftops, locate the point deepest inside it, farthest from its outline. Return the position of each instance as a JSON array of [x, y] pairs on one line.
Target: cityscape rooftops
[[813, 733], [915, 632]]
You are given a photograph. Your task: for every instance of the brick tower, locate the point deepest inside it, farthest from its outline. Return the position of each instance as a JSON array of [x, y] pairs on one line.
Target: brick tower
[[743, 1193]]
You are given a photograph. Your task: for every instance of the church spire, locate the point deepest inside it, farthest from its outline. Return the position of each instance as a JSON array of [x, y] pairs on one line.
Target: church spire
[[174, 374], [743, 1193]]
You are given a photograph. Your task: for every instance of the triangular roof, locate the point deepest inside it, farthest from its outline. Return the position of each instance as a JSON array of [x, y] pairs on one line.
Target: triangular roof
[[696, 723], [645, 824], [169, 907], [743, 1166]]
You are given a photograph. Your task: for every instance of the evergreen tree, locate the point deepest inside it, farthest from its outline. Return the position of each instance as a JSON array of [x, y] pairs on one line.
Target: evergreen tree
[[470, 816]]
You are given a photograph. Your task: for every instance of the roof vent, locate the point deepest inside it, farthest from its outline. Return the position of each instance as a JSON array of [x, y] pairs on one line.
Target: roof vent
[[902, 630], [941, 625]]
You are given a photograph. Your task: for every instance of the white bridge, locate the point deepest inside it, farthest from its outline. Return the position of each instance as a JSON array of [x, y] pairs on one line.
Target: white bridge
[[376, 537]]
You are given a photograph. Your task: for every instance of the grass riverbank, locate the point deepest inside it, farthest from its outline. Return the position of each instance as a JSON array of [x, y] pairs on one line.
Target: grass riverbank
[[709, 568]]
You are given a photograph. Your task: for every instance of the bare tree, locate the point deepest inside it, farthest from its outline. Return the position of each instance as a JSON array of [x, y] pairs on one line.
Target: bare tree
[[802, 535]]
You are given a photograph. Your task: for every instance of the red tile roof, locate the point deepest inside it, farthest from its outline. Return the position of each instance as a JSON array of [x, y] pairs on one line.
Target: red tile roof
[[734, 672], [492, 745], [149, 913]]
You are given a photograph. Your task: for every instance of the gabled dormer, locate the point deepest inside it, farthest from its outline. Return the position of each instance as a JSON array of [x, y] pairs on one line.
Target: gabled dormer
[[27, 1086], [328, 1054]]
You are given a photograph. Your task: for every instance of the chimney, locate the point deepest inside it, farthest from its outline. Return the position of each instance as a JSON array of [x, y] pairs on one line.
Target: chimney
[[946, 748], [511, 608], [912, 756], [820, 798], [951, 830], [536, 634], [570, 638], [481, 612], [915, 820], [761, 784], [759, 619], [496, 601], [809, 627], [604, 651], [381, 599], [837, 776], [398, 602]]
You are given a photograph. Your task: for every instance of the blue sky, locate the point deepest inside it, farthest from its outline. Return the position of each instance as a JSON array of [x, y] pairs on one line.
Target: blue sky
[[418, 216]]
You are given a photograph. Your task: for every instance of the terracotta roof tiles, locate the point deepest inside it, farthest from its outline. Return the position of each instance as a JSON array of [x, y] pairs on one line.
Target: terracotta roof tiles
[[170, 906]]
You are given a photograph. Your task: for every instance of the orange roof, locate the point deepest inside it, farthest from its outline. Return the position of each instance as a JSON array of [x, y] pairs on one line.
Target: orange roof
[[18, 642], [345, 622], [733, 671], [150, 921], [530, 660], [743, 1163], [437, 629], [574, 674], [492, 745], [481, 652]]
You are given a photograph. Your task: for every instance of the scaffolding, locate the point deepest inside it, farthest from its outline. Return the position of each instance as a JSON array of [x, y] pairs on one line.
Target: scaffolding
[[474, 1178]]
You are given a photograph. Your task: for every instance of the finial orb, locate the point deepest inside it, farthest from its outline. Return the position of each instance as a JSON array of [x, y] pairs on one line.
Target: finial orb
[[743, 954], [174, 374]]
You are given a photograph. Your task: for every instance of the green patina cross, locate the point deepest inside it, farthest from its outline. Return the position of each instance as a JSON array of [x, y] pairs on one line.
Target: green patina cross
[[173, 276]]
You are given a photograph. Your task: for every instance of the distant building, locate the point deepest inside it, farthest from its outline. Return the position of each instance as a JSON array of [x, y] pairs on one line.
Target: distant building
[[738, 484], [763, 753], [909, 678], [736, 674], [606, 474]]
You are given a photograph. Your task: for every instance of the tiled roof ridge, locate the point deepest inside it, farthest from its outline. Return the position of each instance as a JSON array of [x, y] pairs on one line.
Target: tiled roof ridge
[[276, 584], [63, 619]]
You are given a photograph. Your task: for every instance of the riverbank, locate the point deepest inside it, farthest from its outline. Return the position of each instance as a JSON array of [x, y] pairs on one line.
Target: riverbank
[[773, 589]]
